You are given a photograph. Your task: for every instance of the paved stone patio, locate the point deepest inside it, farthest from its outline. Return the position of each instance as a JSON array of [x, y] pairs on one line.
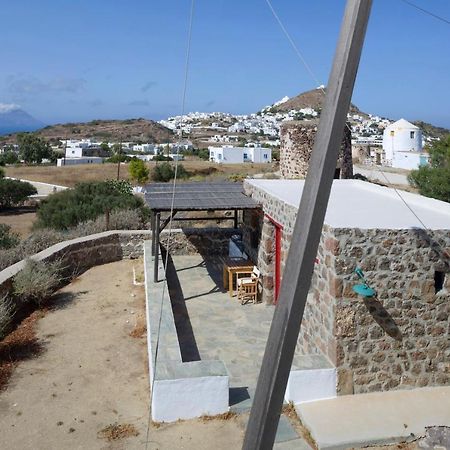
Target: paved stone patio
[[213, 325]]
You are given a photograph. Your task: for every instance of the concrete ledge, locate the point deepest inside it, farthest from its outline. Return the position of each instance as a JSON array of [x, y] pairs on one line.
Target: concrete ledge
[[181, 390], [312, 377], [377, 418]]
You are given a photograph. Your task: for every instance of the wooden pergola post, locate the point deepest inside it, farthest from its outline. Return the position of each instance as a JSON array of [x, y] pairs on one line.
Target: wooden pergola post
[[156, 247]]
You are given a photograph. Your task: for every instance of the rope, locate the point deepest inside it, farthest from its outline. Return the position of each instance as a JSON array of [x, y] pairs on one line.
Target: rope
[[443, 19], [183, 105]]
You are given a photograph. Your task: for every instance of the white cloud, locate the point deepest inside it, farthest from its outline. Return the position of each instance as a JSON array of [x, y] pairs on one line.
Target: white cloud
[[33, 85], [7, 107]]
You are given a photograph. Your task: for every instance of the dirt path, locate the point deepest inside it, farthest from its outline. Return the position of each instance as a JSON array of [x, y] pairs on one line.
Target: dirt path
[[92, 374]]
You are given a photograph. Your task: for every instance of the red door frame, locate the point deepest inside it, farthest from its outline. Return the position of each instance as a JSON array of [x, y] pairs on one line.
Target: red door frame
[[278, 234]]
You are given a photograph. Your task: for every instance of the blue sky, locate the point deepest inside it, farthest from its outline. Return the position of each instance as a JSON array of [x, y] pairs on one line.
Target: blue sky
[[81, 60]]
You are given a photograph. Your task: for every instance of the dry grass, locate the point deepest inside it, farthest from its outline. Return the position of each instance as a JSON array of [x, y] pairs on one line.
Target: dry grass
[[225, 416], [70, 175], [117, 431], [20, 220], [19, 345], [140, 328], [290, 412]]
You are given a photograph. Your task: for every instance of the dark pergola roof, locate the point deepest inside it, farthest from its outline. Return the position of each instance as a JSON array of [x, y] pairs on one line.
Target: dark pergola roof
[[198, 196]]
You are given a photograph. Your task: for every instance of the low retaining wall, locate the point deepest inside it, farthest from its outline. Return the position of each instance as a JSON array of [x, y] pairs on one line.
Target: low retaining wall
[[180, 390], [79, 255]]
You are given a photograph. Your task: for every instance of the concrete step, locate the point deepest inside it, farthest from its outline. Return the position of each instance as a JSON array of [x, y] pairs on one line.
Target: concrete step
[[376, 418]]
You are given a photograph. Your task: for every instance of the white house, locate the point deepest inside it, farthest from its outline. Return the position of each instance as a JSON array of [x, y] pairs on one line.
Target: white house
[[402, 145], [78, 160], [239, 155]]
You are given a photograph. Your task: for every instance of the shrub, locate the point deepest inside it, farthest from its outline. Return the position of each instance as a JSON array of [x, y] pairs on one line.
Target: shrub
[[14, 192], [203, 153], [7, 311], [162, 158], [118, 157], [7, 238], [33, 149], [87, 201], [163, 172], [37, 280], [9, 157], [434, 180], [138, 171]]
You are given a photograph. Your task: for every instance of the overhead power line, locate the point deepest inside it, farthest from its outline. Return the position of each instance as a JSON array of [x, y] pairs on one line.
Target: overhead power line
[[442, 19]]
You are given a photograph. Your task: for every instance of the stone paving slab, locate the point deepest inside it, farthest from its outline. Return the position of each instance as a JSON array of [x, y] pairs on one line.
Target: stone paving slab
[[376, 418]]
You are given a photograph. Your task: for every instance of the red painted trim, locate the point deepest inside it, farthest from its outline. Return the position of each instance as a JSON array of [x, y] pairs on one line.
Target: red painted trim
[[278, 235]]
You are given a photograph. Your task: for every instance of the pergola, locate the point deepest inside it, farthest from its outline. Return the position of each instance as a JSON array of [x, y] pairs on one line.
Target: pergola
[[196, 196]]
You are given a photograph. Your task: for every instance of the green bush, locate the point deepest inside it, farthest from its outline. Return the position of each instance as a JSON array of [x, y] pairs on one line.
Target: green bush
[[7, 238], [37, 280], [434, 180], [162, 158], [163, 172], [66, 209], [9, 157], [14, 192], [138, 171]]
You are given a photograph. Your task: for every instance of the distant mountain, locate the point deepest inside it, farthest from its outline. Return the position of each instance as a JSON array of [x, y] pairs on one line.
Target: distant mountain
[[132, 130], [13, 119]]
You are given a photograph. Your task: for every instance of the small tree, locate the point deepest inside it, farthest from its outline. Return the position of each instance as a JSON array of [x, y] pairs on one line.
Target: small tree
[[14, 192], [138, 171], [162, 172], [434, 180], [8, 157], [33, 149]]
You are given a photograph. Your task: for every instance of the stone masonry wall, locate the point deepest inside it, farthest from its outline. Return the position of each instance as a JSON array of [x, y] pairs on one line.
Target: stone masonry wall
[[209, 241], [396, 340], [297, 140], [400, 338], [316, 335]]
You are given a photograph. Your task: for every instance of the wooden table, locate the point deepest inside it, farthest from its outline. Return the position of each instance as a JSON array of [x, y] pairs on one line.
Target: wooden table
[[230, 268]]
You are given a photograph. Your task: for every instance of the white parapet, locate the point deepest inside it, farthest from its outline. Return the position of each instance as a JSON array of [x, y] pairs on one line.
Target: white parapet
[[311, 385]]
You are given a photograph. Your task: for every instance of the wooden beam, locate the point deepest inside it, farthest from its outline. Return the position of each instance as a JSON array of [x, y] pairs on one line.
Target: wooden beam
[[156, 255], [153, 226], [167, 220], [285, 328]]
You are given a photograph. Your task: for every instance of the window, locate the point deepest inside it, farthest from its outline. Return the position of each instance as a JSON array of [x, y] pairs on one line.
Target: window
[[265, 155], [245, 156], [439, 278], [219, 156], [392, 133], [411, 134]]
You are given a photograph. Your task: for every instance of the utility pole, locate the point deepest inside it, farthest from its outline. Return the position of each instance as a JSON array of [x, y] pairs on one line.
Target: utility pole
[[285, 328], [118, 159]]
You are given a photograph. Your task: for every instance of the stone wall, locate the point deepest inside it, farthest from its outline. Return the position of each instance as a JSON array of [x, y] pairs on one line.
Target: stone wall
[[396, 340], [79, 255], [400, 338], [206, 241], [297, 140]]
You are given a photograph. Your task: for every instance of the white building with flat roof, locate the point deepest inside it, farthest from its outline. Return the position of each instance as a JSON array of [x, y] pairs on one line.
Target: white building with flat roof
[[239, 155]]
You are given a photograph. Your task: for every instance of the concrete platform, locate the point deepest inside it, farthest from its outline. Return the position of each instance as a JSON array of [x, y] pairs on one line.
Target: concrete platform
[[377, 418]]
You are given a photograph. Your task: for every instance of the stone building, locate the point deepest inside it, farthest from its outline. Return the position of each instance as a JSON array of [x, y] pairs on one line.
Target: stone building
[[297, 140], [397, 339]]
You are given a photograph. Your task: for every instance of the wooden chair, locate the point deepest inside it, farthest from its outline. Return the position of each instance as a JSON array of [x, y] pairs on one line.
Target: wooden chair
[[247, 286]]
